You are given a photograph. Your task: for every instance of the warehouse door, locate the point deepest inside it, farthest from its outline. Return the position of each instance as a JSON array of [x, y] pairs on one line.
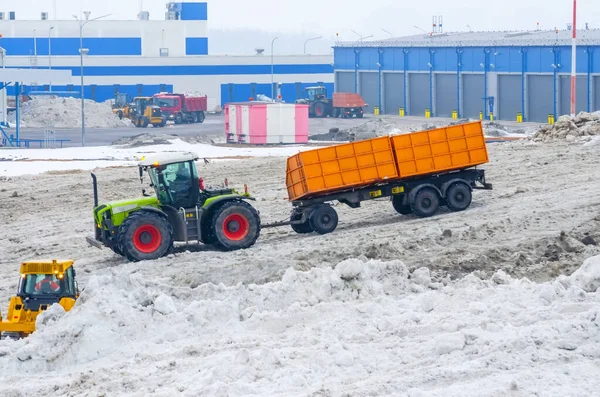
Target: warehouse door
[[596, 92], [509, 96], [418, 91], [445, 94], [472, 95], [393, 92], [344, 81], [540, 98], [581, 95], [369, 90]]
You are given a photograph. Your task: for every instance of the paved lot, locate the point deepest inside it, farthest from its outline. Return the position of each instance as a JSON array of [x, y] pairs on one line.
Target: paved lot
[[214, 128]]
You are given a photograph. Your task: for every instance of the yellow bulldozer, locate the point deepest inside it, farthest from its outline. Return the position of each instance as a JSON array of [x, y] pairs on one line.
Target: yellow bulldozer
[[41, 284], [144, 112]]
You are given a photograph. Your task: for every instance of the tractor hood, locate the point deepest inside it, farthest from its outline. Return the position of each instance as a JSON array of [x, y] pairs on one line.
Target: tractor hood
[[121, 208]]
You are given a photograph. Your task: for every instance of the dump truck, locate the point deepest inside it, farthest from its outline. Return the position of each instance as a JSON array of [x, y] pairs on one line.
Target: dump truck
[[42, 283], [180, 108], [420, 172], [342, 104], [182, 210]]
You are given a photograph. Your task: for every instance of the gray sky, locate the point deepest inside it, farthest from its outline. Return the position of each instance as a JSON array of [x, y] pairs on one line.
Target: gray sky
[[308, 18]]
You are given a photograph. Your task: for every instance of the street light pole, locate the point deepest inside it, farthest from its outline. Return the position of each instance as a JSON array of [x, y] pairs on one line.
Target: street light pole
[[391, 35], [272, 68], [3, 104], [50, 55], [314, 38], [82, 52]]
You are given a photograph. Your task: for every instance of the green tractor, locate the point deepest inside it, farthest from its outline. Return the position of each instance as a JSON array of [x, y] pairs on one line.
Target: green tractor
[[182, 210]]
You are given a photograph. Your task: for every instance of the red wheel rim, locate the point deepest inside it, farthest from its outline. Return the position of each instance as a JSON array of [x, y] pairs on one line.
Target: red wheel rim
[[147, 238], [236, 227]]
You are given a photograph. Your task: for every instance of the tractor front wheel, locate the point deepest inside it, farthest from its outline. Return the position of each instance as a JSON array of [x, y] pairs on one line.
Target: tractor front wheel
[[235, 225], [145, 235]]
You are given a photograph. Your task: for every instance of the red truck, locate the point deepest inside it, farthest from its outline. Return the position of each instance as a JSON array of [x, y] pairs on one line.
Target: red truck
[[181, 109]]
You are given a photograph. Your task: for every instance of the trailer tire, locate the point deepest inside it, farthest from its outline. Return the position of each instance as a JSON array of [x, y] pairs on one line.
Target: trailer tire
[[426, 202], [301, 228], [201, 117], [323, 219], [403, 209], [336, 112], [195, 118], [458, 196]]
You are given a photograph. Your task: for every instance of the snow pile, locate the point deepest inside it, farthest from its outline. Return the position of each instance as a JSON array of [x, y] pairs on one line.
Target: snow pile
[[149, 139], [57, 112], [361, 328], [581, 127]]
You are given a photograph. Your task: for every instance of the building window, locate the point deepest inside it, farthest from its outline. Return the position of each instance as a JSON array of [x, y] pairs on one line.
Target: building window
[[164, 52]]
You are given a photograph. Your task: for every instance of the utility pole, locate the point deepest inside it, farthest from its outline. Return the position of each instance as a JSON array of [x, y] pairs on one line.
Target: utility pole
[[573, 59], [272, 69]]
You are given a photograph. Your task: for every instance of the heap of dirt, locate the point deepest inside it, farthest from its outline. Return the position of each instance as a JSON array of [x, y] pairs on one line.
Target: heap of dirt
[[148, 139], [57, 112], [581, 127]]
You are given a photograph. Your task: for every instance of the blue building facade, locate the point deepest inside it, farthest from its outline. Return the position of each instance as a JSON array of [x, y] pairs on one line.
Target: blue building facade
[[473, 74]]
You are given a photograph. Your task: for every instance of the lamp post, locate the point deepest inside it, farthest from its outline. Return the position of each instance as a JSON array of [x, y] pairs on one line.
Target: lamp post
[[50, 55], [314, 38], [360, 37], [391, 35], [82, 52], [3, 104], [272, 68]]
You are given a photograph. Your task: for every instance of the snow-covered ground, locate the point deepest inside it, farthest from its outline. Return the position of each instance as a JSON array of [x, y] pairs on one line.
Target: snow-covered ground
[[498, 300]]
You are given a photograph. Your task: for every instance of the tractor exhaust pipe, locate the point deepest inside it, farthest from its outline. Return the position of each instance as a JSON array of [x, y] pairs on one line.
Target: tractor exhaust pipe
[[95, 184]]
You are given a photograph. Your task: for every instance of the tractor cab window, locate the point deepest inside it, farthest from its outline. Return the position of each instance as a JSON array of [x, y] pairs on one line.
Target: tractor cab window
[[175, 184]]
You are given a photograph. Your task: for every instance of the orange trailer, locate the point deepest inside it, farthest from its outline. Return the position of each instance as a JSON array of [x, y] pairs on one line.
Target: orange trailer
[[420, 171]]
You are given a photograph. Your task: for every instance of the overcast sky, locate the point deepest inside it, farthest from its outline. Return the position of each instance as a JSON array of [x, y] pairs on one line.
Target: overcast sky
[[307, 18]]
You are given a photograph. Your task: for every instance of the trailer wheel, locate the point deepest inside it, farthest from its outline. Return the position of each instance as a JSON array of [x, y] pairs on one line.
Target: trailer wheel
[[426, 202], [400, 208], [323, 219], [458, 197], [335, 112], [201, 117], [300, 228]]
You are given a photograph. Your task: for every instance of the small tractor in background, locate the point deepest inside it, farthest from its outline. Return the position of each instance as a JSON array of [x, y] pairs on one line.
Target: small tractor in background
[[42, 283], [182, 210], [182, 109], [144, 112], [341, 105], [121, 105]]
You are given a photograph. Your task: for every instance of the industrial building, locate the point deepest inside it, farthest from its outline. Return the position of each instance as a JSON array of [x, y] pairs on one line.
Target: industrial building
[[473, 73], [143, 56]]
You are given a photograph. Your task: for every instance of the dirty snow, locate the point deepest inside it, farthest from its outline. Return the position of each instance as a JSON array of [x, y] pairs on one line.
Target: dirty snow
[[57, 112], [583, 127], [500, 299], [392, 126]]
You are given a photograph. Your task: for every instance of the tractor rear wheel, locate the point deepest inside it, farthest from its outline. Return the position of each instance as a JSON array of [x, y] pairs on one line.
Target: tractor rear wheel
[[235, 225], [320, 109], [145, 235]]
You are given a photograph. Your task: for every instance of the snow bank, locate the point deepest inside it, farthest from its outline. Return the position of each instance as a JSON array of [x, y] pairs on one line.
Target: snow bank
[[14, 162], [581, 127], [361, 328], [57, 112]]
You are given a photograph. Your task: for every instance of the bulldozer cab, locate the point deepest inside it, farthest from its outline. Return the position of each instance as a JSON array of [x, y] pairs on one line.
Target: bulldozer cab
[[46, 282], [316, 93], [175, 180]]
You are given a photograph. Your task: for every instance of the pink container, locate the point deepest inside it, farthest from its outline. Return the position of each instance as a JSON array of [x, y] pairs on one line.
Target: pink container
[[261, 123]]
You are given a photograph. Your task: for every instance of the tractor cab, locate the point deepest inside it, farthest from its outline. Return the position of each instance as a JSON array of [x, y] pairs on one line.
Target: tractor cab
[[316, 93], [41, 284]]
